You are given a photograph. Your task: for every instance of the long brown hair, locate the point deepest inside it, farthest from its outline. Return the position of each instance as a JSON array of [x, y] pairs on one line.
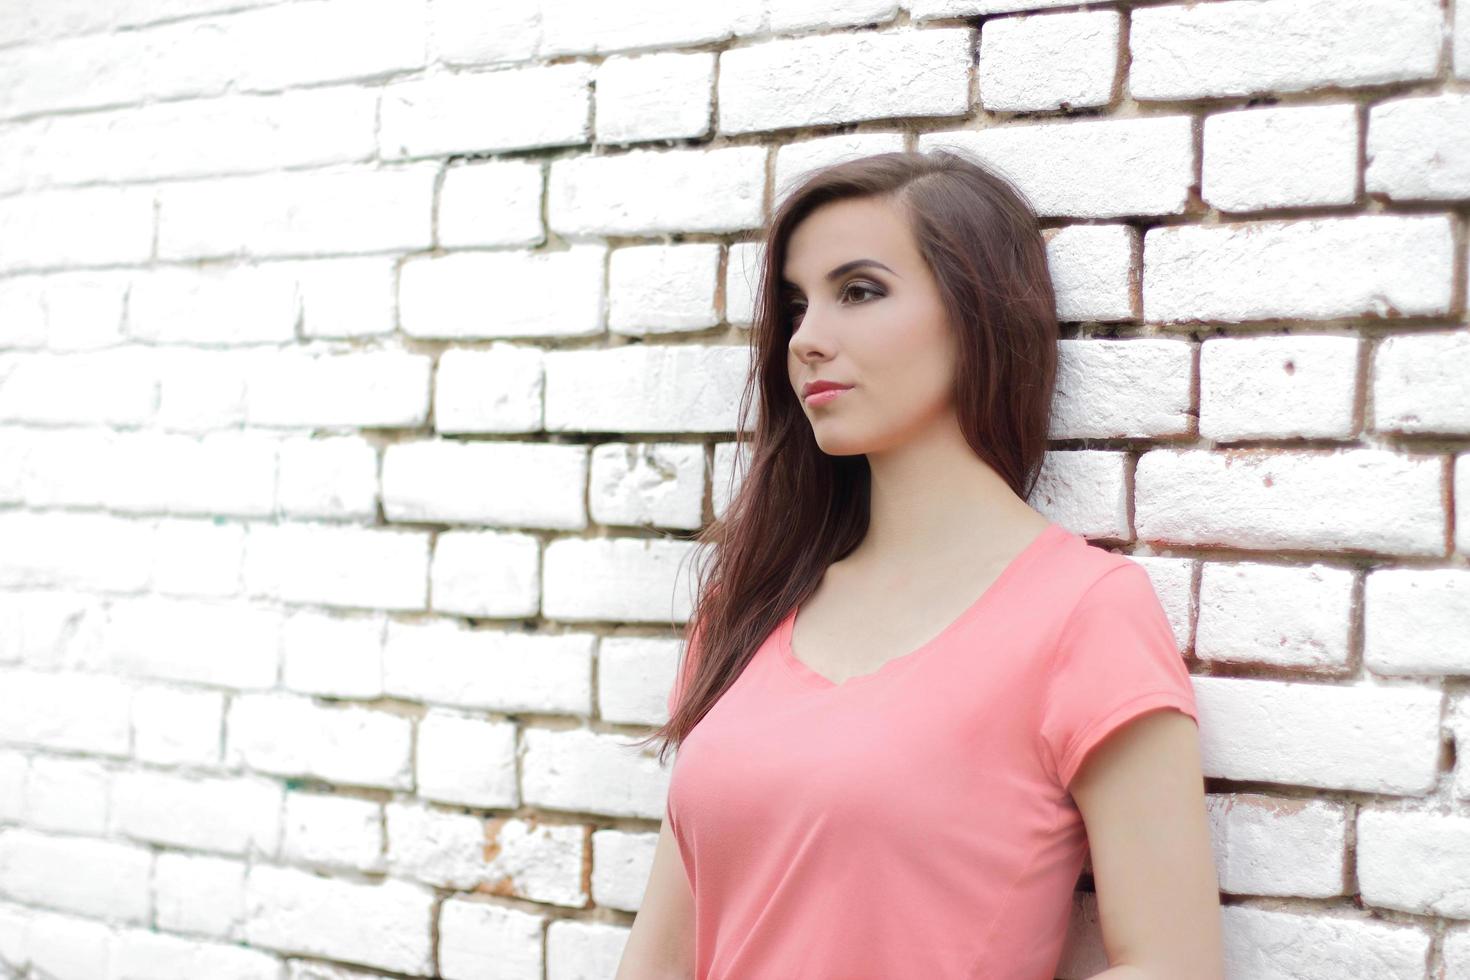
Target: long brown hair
[[797, 509]]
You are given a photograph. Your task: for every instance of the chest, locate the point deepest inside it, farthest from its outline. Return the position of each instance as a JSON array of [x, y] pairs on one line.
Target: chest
[[841, 632]]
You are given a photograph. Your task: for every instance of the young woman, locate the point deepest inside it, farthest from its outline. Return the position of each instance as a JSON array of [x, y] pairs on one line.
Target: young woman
[[909, 702]]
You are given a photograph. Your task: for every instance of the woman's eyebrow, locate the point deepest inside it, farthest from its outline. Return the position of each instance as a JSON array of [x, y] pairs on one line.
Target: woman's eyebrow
[[848, 267]]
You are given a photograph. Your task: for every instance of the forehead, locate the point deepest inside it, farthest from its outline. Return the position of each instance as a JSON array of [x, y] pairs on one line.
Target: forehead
[[843, 230]]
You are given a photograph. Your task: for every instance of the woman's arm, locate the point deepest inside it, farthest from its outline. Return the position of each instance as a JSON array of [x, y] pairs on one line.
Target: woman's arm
[[661, 943], [1141, 795]]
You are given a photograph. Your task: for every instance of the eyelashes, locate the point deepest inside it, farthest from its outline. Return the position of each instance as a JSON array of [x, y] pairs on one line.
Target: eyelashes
[[794, 310]]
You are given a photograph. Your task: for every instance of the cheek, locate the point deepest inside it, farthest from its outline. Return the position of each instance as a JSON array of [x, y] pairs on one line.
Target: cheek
[[913, 343]]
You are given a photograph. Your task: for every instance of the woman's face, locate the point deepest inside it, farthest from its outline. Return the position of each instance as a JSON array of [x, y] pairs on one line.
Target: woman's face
[[878, 326]]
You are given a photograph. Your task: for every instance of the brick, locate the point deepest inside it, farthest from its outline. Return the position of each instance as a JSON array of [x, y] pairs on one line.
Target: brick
[[451, 482], [197, 893], [53, 942], [1418, 148], [497, 390], [198, 557], [1114, 167], [332, 831], [588, 26], [366, 567], [39, 227], [1242, 47], [467, 32], [1173, 582], [462, 758], [25, 318], [478, 939], [810, 14], [332, 476], [1122, 389], [436, 847], [51, 629], [1052, 61], [742, 278], [1414, 861], [1092, 271], [1085, 490], [647, 484], [1377, 265], [536, 861], [86, 551], [645, 388], [470, 295], [1292, 157], [1279, 846], [58, 467], [1330, 736], [173, 727], [1461, 43], [634, 677], [443, 662], [159, 638], [346, 298], [797, 160], [191, 138], [95, 70], [577, 944], [334, 656], [287, 735], [385, 924], [228, 815], [824, 79], [1278, 615], [656, 96], [1306, 946], [113, 387], [297, 214], [1462, 502], [1419, 383], [1278, 387], [1381, 501], [220, 473], [576, 769], [621, 862], [486, 574], [656, 289], [179, 958], [27, 23], [483, 112], [64, 795], [922, 10], [491, 202], [202, 390], [618, 579], [368, 389], [64, 711], [1415, 621], [652, 192], [80, 311], [100, 879], [14, 774]]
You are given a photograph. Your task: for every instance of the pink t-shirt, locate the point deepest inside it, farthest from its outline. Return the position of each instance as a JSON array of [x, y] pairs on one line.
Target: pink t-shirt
[[915, 821]]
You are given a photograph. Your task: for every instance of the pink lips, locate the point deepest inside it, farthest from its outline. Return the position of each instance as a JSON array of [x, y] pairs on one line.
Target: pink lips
[[824, 396]]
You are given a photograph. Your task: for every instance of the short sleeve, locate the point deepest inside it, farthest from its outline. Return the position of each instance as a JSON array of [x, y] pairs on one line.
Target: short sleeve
[[1116, 658]]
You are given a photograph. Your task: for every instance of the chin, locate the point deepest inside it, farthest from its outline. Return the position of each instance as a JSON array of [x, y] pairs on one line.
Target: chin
[[842, 446]]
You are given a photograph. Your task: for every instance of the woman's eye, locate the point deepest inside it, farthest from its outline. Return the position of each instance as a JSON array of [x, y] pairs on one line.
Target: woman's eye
[[794, 310]]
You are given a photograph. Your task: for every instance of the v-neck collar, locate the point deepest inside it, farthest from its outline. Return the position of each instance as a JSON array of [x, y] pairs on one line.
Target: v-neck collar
[[1052, 532]]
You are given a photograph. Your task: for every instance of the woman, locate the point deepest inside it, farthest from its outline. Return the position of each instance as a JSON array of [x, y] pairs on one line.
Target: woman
[[910, 702]]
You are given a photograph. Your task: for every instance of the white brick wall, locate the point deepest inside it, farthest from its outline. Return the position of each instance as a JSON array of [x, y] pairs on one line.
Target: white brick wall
[[365, 366]]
